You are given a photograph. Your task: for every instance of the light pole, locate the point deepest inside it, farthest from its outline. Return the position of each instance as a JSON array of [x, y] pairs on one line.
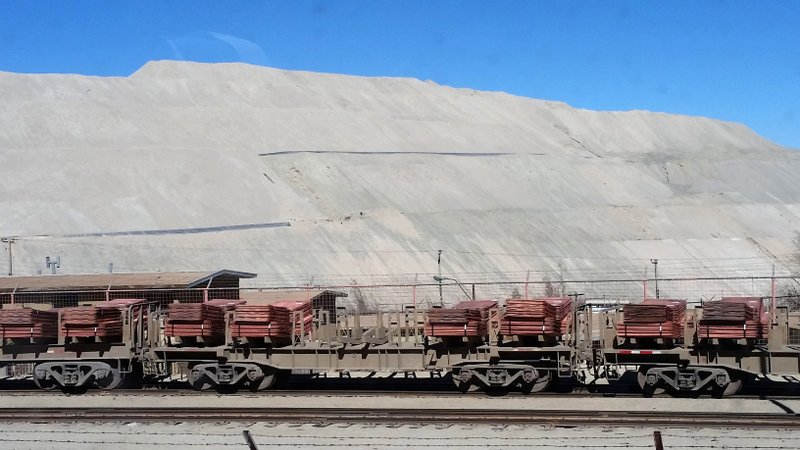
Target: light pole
[[439, 267], [655, 268], [9, 240], [440, 279]]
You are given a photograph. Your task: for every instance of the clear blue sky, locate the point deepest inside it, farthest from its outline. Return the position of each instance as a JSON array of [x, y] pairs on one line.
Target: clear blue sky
[[731, 60]]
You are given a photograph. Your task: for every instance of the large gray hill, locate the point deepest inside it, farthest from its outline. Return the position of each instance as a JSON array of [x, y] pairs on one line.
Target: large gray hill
[[296, 175]]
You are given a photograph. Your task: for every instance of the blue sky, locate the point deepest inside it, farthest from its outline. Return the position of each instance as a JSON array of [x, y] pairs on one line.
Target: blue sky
[[731, 60]]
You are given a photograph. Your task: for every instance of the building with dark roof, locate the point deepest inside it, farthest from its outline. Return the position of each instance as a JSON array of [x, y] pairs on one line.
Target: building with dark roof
[[165, 287]]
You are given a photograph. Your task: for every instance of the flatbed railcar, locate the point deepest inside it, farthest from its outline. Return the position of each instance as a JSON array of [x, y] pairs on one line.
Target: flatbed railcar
[[695, 365], [395, 342]]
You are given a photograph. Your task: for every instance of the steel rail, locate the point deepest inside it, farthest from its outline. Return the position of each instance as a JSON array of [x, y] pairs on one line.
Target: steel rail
[[348, 415], [389, 393]]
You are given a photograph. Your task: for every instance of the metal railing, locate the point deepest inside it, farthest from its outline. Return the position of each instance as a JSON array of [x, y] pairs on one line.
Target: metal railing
[[389, 296]]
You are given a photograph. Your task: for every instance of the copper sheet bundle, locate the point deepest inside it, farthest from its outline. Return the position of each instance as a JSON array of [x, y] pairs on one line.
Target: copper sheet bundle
[[546, 326], [224, 304], [261, 321], [469, 319], [303, 323], [650, 330], [536, 317], [185, 312], [120, 303], [91, 321], [654, 310], [198, 319], [276, 320], [563, 306], [259, 314], [732, 318], [653, 318], [27, 323], [530, 309]]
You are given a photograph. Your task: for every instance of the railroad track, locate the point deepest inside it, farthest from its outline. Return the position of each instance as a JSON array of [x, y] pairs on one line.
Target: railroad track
[[301, 393], [188, 392], [404, 416]]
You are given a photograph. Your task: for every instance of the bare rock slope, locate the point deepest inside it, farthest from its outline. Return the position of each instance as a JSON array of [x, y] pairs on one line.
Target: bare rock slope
[[294, 174]]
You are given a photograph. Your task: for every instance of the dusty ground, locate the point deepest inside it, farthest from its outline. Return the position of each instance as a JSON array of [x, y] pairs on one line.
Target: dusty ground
[[401, 401], [349, 435], [364, 436]]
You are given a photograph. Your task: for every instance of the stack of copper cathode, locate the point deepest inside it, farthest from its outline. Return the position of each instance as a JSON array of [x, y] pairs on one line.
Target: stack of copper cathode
[[102, 320], [733, 318], [300, 315], [653, 318], [275, 320], [27, 323], [261, 321], [466, 319], [91, 321], [536, 317], [198, 319]]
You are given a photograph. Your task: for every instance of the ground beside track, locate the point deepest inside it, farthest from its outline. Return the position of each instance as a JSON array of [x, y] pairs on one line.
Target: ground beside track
[[349, 436], [378, 401], [381, 433]]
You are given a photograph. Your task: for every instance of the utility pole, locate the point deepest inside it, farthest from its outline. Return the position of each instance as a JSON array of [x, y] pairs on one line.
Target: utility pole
[[655, 268], [439, 266], [9, 240]]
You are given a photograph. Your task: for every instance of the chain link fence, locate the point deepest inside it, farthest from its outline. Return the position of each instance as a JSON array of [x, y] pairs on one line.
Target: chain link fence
[[388, 297]]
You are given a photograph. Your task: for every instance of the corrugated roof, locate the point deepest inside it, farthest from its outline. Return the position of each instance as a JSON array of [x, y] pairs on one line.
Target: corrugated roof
[[143, 280], [269, 296]]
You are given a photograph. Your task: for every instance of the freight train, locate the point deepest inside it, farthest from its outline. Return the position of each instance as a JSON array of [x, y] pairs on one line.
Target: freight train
[[517, 344]]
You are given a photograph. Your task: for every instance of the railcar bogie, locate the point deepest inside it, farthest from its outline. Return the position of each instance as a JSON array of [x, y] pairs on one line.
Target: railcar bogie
[[80, 374], [690, 381], [502, 376], [256, 377]]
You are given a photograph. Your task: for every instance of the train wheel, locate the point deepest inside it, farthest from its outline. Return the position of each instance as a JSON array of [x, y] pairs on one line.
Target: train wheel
[[648, 390], [203, 383], [113, 379], [733, 387], [266, 382], [541, 384], [465, 386], [641, 379], [45, 383]]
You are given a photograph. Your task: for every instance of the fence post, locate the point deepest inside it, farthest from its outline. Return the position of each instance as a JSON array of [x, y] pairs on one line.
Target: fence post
[[657, 440]]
